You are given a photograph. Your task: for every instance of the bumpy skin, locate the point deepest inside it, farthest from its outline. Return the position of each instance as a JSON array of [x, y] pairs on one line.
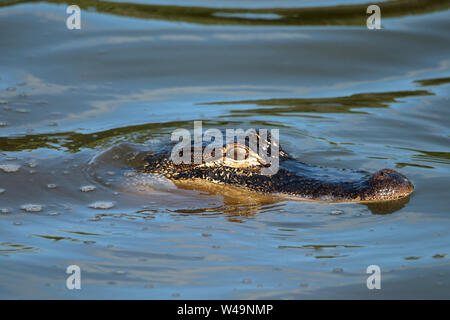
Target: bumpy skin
[[294, 179]]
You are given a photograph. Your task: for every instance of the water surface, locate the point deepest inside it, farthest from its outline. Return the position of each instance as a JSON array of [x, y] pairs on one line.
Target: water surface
[[78, 108]]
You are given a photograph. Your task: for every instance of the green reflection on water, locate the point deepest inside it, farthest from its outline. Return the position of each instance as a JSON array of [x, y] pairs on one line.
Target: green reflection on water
[[14, 248], [322, 105], [404, 164], [58, 238], [75, 141], [332, 15], [428, 156], [433, 82], [320, 247]]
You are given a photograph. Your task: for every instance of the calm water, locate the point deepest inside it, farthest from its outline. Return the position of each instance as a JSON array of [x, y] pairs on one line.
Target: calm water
[[78, 108]]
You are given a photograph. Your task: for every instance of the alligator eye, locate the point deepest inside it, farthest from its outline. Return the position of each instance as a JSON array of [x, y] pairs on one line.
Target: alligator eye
[[237, 155]]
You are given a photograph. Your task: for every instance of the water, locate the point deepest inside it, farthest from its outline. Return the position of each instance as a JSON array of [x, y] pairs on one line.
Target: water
[[79, 107]]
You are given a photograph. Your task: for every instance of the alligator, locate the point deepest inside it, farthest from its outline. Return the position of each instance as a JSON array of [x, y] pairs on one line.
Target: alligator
[[294, 179]]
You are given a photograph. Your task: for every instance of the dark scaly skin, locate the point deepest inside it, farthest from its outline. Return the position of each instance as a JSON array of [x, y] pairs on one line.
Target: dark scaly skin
[[294, 180]]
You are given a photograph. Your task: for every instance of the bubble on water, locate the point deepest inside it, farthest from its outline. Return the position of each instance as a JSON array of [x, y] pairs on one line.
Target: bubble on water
[[110, 173], [87, 188], [22, 110], [246, 281], [32, 207], [120, 272], [23, 95], [66, 172], [130, 173], [5, 210], [17, 223], [337, 212], [102, 205], [53, 124], [54, 213], [3, 124], [2, 190], [9, 167], [11, 89], [338, 270], [32, 164], [51, 186], [11, 158]]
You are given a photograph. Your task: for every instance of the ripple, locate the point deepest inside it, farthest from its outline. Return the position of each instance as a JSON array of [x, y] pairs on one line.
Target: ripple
[[10, 167], [102, 205], [5, 210], [87, 188], [32, 207]]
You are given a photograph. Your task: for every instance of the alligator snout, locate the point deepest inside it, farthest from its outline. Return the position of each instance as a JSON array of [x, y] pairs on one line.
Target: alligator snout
[[387, 184]]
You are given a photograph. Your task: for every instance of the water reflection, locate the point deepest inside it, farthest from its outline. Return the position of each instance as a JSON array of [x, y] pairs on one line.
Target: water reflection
[[387, 207], [320, 105], [433, 82], [322, 15]]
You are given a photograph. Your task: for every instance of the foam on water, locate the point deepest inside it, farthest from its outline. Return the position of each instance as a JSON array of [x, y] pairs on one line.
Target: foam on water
[[32, 207], [10, 167]]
